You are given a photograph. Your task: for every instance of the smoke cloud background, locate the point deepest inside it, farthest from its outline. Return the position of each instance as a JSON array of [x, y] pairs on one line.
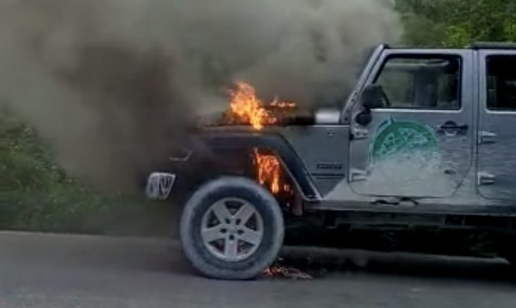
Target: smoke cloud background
[[113, 84]]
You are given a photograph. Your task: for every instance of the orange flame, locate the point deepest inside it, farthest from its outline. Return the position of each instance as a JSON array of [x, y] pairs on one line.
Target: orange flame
[[285, 104], [280, 271], [275, 271], [268, 170], [247, 107]]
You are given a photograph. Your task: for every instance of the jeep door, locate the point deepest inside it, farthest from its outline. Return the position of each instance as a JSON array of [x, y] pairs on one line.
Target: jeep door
[[419, 142], [497, 123]]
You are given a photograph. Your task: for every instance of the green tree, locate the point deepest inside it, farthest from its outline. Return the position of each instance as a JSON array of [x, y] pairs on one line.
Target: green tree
[[456, 23]]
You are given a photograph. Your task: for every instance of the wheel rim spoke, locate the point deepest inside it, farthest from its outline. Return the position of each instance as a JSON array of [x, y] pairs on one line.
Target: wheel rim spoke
[[212, 234], [221, 211], [231, 248], [251, 236], [228, 236], [244, 213]]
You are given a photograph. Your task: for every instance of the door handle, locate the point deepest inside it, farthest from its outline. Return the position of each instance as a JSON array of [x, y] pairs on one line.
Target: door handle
[[450, 128]]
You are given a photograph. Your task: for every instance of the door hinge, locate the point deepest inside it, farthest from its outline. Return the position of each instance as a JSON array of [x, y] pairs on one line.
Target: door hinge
[[485, 178], [486, 137], [359, 134], [357, 175]]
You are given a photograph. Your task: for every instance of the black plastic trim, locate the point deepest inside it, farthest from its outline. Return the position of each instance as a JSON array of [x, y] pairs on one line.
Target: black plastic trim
[[220, 139]]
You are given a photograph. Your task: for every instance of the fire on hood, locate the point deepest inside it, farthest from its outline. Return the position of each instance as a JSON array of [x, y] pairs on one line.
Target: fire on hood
[[247, 109]]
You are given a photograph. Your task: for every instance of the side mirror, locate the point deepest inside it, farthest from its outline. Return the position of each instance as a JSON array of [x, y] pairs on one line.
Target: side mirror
[[364, 118], [372, 97]]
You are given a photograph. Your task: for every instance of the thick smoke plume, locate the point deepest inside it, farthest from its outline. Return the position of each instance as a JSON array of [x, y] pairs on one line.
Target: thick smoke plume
[[112, 84]]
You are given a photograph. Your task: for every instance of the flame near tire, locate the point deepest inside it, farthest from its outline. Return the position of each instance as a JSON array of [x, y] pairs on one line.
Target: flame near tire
[[246, 107]]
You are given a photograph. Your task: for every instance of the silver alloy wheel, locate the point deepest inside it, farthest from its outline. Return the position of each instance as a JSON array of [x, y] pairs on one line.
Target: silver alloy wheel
[[232, 229]]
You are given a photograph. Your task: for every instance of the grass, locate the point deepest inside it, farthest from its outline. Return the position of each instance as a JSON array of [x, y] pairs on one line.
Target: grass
[[36, 194]]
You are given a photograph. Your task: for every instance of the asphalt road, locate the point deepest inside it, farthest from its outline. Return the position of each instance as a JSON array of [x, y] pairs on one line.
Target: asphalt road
[[82, 271]]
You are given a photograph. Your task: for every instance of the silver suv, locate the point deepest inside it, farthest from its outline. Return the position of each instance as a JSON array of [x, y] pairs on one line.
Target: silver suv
[[427, 138]]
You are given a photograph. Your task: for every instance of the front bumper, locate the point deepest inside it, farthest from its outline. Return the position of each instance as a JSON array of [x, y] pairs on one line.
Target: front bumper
[[159, 185]]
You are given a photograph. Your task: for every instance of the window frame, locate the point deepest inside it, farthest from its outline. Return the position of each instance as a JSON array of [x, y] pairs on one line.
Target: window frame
[[423, 56], [486, 59]]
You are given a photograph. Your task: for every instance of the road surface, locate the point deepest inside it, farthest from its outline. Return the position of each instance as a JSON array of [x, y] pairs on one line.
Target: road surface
[[56, 271]]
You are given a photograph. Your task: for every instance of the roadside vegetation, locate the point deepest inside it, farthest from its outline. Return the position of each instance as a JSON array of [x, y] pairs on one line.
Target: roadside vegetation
[[36, 193]]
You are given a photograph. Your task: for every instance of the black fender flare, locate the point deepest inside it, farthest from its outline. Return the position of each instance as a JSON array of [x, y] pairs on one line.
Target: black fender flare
[[228, 139]]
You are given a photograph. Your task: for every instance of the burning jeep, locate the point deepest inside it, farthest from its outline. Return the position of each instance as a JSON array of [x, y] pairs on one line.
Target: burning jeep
[[419, 142]]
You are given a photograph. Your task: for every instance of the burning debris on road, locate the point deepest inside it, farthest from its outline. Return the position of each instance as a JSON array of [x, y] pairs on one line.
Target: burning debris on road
[[286, 272]]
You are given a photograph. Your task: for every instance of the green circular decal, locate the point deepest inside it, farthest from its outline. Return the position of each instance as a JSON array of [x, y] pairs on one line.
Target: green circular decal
[[399, 137]]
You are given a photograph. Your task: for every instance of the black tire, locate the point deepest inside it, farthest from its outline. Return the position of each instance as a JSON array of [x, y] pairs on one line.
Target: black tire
[[263, 202]]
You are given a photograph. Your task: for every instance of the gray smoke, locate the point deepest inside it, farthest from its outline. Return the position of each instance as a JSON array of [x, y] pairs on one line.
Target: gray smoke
[[112, 84]]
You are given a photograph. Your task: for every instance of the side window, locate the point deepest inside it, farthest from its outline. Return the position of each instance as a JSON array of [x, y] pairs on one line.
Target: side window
[[421, 82], [501, 83]]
